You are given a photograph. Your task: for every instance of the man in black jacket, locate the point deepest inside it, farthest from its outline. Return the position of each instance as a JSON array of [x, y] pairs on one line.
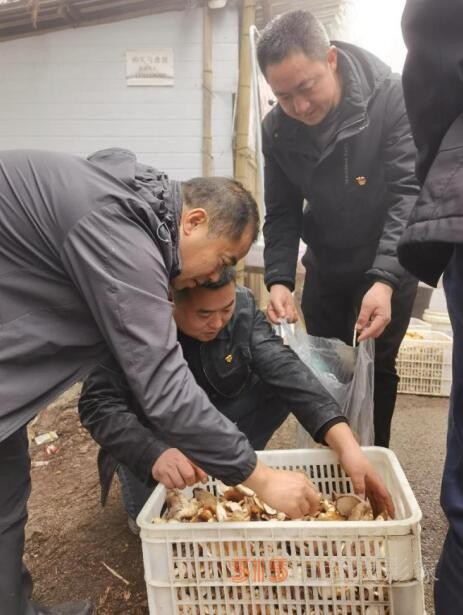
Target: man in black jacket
[[433, 242], [247, 373], [339, 139]]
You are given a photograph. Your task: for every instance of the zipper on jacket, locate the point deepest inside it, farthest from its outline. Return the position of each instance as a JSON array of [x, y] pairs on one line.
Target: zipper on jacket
[[336, 137], [346, 163]]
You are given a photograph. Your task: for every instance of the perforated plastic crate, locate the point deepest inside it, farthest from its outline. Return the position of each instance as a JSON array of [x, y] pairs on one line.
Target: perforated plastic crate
[[424, 363], [418, 323], [289, 567]]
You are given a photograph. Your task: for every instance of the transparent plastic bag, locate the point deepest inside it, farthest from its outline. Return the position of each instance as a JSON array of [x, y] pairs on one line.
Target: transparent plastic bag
[[347, 374]]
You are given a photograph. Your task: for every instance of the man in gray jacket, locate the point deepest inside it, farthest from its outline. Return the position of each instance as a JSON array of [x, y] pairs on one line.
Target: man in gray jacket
[[87, 252]]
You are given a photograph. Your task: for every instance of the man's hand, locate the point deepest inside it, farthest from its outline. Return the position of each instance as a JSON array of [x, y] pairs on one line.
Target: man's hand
[[365, 480], [289, 492], [175, 471], [375, 311], [281, 304]]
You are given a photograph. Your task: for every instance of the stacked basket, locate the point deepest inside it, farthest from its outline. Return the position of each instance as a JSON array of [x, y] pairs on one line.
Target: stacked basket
[[424, 363]]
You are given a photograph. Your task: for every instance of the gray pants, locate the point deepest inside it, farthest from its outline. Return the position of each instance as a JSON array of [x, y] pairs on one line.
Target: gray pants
[[15, 487]]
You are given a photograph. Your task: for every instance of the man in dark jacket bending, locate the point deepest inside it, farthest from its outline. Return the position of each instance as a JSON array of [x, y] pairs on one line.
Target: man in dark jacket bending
[[339, 139], [87, 252], [247, 373]]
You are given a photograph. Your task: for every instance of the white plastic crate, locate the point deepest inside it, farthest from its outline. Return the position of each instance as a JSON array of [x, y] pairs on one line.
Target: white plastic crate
[[289, 567], [424, 363], [418, 323]]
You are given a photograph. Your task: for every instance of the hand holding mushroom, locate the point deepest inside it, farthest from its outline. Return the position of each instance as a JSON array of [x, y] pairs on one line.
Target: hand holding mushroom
[[365, 480], [175, 471]]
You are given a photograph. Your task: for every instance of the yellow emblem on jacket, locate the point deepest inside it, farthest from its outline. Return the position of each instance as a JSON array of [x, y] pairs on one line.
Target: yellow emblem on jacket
[[229, 358]]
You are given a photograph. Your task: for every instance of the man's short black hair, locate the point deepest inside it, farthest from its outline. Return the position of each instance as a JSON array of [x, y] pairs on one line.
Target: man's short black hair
[[289, 33], [227, 276], [231, 208]]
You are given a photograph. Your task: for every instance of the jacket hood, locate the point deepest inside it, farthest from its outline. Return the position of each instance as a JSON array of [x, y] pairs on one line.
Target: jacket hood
[[365, 72], [153, 186]]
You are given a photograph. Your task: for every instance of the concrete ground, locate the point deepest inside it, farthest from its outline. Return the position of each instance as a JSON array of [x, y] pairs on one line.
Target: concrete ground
[[418, 439]]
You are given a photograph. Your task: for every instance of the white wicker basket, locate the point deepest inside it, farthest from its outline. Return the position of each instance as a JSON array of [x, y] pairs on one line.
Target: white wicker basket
[[424, 363], [289, 567]]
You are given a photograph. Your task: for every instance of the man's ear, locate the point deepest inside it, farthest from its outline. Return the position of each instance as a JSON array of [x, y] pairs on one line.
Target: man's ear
[[332, 57], [193, 219]]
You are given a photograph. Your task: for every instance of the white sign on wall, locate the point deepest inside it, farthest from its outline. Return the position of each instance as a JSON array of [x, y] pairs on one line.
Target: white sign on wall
[[150, 67]]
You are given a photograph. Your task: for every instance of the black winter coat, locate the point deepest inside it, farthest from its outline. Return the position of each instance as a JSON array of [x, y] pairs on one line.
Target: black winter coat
[[112, 415], [433, 86], [360, 188]]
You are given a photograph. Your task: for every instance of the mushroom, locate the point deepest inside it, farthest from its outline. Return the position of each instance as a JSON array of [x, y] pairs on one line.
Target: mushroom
[[245, 490], [361, 512], [234, 495], [179, 507], [345, 503], [205, 498]]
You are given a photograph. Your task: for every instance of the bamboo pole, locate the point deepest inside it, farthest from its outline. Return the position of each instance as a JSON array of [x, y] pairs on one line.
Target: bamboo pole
[[207, 93], [244, 171]]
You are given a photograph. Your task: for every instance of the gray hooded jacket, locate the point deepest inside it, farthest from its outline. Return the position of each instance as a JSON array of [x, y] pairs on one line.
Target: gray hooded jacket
[[87, 249]]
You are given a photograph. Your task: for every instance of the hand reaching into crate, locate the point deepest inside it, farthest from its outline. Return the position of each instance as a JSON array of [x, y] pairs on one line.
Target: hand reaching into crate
[[175, 471], [289, 492], [365, 480]]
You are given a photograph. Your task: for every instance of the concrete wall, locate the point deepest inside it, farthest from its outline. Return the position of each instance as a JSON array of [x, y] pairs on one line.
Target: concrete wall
[[67, 91]]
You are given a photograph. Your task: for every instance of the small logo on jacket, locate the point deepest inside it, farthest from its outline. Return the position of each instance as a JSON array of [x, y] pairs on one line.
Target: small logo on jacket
[[229, 358], [361, 180]]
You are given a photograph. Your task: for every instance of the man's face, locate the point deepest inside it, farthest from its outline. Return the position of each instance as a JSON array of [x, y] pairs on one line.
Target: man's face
[[204, 312], [306, 89], [203, 256]]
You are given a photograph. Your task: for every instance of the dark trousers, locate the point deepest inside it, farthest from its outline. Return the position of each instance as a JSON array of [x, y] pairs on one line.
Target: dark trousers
[[448, 592], [333, 312], [258, 425], [15, 485]]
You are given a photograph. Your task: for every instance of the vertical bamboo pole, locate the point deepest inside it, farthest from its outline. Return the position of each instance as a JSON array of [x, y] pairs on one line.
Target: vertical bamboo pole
[[244, 169], [207, 92]]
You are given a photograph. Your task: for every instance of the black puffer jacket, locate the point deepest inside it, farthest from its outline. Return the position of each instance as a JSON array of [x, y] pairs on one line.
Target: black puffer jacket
[[433, 86], [360, 188], [110, 412]]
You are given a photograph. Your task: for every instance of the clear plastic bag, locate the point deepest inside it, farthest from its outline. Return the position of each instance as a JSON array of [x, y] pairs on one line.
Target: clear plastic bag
[[347, 374]]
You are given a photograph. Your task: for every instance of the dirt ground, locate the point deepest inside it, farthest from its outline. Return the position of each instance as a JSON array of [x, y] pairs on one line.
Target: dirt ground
[[71, 540], [69, 537]]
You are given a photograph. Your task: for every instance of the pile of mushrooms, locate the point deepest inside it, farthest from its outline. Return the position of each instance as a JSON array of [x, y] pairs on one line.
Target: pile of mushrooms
[[241, 504]]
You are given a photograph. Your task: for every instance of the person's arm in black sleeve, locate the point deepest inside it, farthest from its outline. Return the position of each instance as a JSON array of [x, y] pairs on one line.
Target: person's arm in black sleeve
[[402, 187], [279, 367], [114, 261], [282, 225], [315, 409], [106, 411]]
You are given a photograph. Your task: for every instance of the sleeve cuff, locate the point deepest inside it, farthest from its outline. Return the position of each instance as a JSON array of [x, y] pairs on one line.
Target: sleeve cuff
[[289, 283], [321, 433]]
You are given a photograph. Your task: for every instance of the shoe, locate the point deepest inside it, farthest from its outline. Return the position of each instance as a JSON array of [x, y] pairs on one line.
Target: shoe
[[81, 607], [133, 527]]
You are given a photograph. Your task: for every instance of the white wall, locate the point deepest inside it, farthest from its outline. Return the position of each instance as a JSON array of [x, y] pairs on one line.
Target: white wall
[[375, 25], [66, 91]]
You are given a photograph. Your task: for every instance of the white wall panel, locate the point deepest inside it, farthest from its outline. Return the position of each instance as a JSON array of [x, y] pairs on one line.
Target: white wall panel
[[66, 91]]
